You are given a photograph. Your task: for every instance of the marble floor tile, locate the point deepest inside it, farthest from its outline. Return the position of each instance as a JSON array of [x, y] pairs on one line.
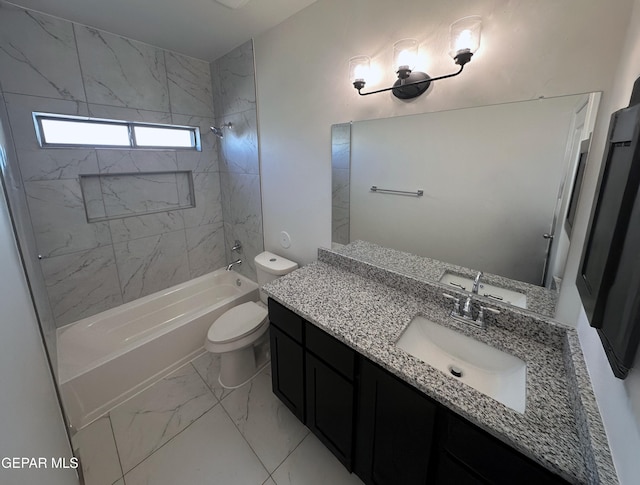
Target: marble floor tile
[[97, 450], [144, 423], [269, 482], [210, 451], [120, 482], [270, 428], [208, 366], [313, 464]]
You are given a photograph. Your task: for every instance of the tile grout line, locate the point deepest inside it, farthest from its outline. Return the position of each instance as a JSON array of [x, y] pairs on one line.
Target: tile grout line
[[180, 432], [290, 453], [243, 436], [172, 438], [219, 400], [115, 443]]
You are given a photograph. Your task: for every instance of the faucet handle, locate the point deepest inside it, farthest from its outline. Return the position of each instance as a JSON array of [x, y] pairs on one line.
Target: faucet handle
[[467, 311], [456, 302], [483, 313]]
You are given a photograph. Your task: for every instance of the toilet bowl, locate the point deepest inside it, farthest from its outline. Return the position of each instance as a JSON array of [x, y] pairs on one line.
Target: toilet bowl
[[236, 332]]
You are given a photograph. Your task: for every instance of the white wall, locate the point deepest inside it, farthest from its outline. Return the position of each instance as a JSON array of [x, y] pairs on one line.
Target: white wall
[[619, 401], [529, 49], [31, 423], [490, 177]]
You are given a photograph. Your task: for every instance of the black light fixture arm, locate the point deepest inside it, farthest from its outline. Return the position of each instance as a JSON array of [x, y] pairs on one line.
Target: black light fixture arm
[[427, 80]]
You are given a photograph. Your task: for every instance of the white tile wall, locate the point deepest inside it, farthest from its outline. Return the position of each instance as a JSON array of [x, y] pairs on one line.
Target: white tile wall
[[47, 65]]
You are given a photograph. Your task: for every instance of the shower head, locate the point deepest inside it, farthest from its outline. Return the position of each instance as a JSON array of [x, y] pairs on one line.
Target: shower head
[[218, 131]]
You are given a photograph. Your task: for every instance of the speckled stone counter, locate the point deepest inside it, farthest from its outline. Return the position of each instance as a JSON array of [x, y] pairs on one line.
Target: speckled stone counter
[[539, 300], [368, 308]]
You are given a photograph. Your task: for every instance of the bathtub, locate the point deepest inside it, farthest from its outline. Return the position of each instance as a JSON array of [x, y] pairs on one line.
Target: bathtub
[[105, 359]]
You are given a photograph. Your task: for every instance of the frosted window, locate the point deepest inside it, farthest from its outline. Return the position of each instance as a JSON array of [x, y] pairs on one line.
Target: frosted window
[[152, 136], [56, 130], [67, 132]]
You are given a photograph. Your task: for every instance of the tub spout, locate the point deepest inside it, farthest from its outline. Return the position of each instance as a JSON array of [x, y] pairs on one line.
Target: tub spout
[[234, 263]]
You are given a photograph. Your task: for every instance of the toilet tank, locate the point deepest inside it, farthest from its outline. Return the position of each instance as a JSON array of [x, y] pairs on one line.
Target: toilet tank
[[270, 266]]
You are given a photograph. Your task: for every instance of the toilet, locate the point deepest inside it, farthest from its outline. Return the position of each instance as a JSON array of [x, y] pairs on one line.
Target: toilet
[[236, 332]]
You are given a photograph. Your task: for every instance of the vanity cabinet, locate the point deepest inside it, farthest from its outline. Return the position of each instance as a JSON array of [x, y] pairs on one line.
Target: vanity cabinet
[[313, 375], [395, 432], [379, 426]]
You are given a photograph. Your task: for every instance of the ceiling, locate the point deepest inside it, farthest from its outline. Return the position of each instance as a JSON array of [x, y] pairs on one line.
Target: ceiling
[[199, 28]]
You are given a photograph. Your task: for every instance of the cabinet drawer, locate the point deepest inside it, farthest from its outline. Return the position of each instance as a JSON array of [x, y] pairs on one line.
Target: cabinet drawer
[[330, 350], [491, 459], [285, 320]]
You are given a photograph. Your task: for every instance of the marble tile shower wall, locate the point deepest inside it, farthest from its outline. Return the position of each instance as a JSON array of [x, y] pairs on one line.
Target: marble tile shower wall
[[234, 100], [52, 65], [340, 180]]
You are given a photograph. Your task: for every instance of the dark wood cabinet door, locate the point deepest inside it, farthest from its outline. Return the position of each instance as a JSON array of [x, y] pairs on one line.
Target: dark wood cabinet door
[[287, 371], [330, 408], [489, 458], [394, 432], [450, 472]]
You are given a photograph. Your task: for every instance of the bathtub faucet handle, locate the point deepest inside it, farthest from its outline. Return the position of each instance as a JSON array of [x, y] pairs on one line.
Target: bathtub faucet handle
[[237, 246]]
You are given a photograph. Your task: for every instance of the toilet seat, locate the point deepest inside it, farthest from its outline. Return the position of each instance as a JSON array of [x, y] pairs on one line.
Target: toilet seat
[[237, 322]]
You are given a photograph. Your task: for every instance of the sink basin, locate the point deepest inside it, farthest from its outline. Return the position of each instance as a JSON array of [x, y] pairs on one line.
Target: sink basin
[[493, 372], [495, 292]]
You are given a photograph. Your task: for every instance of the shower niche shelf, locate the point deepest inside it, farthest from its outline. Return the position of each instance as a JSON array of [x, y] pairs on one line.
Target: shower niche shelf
[[120, 195]]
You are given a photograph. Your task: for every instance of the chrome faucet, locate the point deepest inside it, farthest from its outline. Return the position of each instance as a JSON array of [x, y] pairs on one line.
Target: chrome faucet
[[465, 314], [476, 282], [234, 263]]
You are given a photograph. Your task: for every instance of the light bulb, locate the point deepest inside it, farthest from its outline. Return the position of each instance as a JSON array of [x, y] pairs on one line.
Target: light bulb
[[464, 40], [359, 68], [405, 54], [465, 35]]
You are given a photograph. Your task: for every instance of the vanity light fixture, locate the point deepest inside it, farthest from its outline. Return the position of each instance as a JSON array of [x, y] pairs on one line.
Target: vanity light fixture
[[464, 40]]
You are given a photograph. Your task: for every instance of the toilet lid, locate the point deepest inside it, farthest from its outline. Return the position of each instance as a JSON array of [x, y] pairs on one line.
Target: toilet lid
[[237, 322]]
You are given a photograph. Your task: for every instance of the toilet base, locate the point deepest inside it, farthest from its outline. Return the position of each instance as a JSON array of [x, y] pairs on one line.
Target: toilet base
[[238, 367]]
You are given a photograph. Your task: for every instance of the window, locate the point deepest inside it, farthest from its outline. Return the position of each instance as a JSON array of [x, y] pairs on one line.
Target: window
[[55, 130]]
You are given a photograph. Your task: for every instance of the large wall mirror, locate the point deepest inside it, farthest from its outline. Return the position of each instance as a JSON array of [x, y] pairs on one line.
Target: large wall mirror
[[486, 188]]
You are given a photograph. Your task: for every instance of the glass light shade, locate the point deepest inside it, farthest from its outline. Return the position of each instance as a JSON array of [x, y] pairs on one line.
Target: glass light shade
[[359, 68], [405, 54], [465, 35]]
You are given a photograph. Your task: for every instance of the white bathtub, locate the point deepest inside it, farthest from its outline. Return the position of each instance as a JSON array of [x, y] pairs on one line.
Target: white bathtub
[[107, 358]]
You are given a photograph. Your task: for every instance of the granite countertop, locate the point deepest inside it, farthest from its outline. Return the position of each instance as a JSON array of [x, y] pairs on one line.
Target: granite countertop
[[367, 307], [539, 299]]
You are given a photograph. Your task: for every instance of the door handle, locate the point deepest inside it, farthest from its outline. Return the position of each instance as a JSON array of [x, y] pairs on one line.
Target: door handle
[[546, 235]]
